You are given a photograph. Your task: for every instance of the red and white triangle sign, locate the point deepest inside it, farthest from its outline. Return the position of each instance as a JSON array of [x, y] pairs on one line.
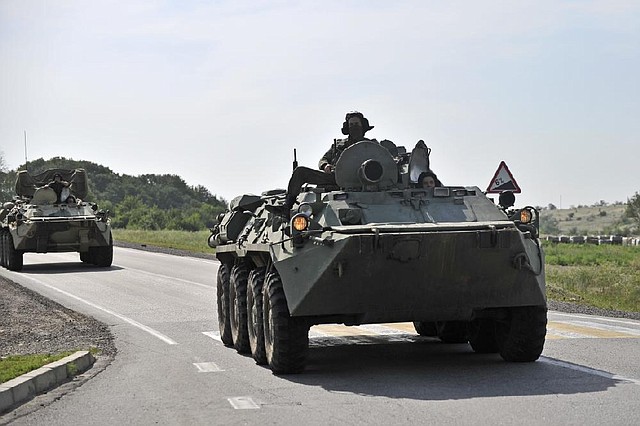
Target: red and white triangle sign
[[503, 181]]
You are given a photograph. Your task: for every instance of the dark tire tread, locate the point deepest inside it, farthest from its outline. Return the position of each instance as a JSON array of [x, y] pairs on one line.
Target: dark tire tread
[[286, 337]]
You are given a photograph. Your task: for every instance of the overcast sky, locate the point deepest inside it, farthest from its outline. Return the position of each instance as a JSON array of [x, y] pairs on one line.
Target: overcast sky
[[221, 92]]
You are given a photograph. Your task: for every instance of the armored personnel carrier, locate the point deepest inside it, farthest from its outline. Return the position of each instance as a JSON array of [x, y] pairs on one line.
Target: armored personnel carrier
[[377, 249], [49, 215]]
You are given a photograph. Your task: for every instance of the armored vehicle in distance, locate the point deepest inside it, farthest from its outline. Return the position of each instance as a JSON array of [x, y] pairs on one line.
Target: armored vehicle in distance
[[376, 248], [49, 215]]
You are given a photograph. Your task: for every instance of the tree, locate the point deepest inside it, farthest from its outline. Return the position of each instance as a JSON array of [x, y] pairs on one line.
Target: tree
[[7, 180], [633, 209]]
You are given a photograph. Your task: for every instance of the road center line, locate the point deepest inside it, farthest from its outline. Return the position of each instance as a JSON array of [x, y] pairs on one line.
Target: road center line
[[130, 321], [587, 370]]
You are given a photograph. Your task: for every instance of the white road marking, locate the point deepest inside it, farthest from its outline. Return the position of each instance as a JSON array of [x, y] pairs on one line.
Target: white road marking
[[128, 320], [243, 403], [593, 317], [587, 370], [215, 335], [207, 367]]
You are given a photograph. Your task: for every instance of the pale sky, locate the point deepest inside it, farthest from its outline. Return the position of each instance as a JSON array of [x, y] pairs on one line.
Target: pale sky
[[221, 92]]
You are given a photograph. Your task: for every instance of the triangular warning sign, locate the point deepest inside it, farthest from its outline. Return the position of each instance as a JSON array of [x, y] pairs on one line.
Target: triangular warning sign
[[503, 181]]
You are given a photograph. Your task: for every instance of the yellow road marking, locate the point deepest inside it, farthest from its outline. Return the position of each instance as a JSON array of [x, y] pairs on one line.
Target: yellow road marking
[[341, 330], [404, 326], [555, 330], [587, 331]]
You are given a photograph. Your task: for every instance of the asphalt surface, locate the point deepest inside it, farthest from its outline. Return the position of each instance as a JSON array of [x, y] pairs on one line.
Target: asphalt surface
[[171, 367]]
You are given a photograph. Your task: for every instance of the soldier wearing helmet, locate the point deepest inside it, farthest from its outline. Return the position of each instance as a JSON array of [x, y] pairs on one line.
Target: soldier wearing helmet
[[355, 126]]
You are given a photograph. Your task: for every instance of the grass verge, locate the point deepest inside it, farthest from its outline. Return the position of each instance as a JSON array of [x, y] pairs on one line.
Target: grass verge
[[181, 240], [17, 365], [606, 277]]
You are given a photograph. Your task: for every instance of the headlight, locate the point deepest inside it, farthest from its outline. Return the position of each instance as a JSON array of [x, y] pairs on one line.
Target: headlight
[[526, 216], [305, 209], [300, 222]]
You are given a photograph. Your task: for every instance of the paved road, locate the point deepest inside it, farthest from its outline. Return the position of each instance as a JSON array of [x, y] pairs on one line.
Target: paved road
[[171, 367]]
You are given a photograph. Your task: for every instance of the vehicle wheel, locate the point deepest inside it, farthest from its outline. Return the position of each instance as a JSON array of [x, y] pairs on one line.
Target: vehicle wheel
[[238, 307], [521, 336], [103, 256], [13, 257], [223, 304], [482, 336], [255, 325], [452, 331], [2, 243], [85, 257], [286, 339], [425, 328]]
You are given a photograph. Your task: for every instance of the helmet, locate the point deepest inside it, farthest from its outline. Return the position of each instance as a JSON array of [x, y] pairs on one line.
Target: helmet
[[365, 123]]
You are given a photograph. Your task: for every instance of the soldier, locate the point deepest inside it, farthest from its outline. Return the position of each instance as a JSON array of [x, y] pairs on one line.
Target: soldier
[[428, 180], [355, 126], [61, 187]]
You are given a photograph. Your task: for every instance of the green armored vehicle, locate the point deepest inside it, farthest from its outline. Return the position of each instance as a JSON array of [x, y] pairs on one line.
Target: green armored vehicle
[[378, 249], [49, 215]]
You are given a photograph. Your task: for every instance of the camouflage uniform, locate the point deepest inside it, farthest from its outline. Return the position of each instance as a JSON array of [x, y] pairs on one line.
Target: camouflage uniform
[[302, 175], [332, 155]]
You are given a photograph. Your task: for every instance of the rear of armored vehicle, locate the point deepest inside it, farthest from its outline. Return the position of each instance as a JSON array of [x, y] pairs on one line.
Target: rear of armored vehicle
[[40, 221], [379, 250]]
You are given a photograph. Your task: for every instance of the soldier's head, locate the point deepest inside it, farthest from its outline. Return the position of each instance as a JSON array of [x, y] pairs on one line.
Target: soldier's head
[[355, 125], [57, 177], [428, 179]]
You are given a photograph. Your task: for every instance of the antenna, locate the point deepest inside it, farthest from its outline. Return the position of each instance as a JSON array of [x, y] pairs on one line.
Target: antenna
[[26, 163]]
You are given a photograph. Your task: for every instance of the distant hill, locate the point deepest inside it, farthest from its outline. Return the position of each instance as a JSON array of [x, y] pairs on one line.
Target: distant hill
[[148, 201], [586, 220]]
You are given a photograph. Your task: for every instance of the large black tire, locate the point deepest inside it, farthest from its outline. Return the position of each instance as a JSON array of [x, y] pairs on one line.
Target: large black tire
[[425, 328], [223, 304], [482, 336], [255, 326], [13, 258], [238, 307], [286, 339], [452, 331], [2, 244], [521, 335], [102, 256], [85, 257]]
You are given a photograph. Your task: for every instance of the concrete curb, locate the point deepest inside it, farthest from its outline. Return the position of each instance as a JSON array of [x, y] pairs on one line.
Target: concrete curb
[[19, 390]]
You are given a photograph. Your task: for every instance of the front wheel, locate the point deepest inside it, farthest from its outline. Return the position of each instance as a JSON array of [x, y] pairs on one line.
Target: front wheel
[[13, 257], [521, 335], [452, 331], [286, 338], [222, 289], [3, 239], [425, 328], [482, 336]]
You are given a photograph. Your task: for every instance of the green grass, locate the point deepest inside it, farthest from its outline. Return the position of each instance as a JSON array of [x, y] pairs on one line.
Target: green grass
[[182, 240], [607, 277], [17, 365]]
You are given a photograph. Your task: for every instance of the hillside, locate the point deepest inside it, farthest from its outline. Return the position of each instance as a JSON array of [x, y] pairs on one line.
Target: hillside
[[148, 201], [586, 220]]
